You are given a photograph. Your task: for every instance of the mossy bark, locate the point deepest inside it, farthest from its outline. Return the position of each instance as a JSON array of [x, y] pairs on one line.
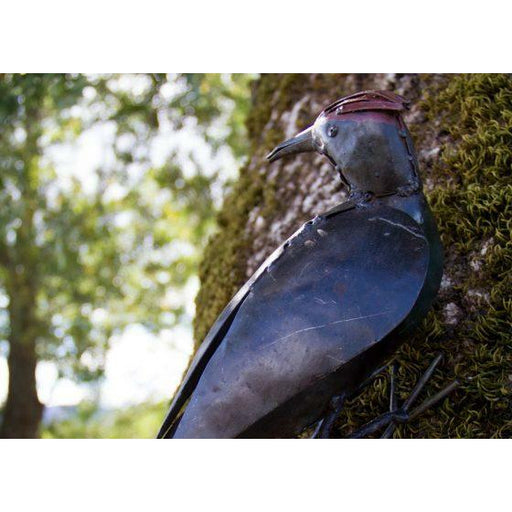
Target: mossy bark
[[462, 127]]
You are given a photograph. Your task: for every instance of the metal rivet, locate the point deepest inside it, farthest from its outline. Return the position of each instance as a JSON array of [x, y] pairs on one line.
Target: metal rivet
[[332, 131]]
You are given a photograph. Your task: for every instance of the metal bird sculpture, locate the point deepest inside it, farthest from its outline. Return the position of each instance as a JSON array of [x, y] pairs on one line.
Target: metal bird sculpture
[[333, 302]]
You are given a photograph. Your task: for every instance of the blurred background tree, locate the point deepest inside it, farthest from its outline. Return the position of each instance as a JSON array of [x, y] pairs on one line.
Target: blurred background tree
[[85, 254]]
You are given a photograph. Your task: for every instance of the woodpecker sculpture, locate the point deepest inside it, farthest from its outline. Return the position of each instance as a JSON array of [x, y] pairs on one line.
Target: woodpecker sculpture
[[325, 310]]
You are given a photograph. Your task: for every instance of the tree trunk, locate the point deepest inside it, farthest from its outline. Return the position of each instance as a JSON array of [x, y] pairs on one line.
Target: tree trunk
[[462, 129], [23, 411]]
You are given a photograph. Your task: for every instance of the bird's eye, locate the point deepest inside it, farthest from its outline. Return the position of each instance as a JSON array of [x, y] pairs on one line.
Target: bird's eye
[[332, 131]]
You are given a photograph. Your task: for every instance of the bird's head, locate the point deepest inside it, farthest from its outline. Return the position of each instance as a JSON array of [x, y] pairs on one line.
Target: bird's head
[[365, 138]]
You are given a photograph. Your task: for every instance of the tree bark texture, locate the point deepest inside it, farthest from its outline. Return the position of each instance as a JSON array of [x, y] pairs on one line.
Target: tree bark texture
[[462, 128]]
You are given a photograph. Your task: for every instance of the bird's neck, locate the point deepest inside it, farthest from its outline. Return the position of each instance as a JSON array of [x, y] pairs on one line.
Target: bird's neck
[[414, 205]]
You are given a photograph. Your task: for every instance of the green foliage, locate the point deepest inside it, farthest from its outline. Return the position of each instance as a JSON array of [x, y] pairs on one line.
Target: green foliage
[[136, 422], [209, 97], [88, 255]]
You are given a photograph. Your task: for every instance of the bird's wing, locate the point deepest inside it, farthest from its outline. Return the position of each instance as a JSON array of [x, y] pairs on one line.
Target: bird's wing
[[211, 342], [337, 287]]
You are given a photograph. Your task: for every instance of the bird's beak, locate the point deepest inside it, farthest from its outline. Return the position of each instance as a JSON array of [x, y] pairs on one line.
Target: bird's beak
[[299, 144]]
